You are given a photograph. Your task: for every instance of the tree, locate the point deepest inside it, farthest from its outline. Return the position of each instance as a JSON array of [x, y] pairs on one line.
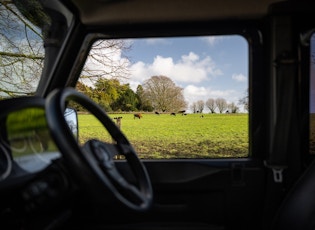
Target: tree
[[245, 101], [85, 90], [193, 107], [106, 59], [106, 92], [200, 105], [127, 101], [232, 108], [164, 95], [221, 104], [210, 103], [143, 103], [21, 51]]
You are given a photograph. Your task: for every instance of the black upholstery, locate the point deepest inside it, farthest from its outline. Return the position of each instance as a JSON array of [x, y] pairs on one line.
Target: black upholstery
[[298, 209]]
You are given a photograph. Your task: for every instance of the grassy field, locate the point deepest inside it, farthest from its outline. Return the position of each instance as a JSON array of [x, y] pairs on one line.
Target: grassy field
[[165, 136]]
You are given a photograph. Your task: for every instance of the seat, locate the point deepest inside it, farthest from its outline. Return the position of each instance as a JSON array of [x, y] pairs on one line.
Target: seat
[[297, 212]]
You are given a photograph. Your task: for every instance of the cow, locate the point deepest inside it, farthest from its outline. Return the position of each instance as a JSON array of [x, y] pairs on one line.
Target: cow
[[118, 121], [137, 115]]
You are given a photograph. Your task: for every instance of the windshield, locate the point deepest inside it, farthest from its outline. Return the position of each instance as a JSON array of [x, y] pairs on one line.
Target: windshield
[[21, 47]]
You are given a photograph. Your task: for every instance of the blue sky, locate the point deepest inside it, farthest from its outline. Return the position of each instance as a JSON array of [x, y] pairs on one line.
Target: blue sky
[[205, 67]]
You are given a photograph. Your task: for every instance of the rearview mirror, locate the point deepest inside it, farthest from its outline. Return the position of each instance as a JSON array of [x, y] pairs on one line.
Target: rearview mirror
[[71, 118]]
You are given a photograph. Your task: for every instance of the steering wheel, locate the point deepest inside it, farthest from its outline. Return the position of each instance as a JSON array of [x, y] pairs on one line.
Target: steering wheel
[[93, 163]]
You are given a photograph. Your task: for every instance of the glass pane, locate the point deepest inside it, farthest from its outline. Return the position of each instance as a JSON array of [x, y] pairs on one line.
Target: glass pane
[[21, 49], [182, 97], [312, 96]]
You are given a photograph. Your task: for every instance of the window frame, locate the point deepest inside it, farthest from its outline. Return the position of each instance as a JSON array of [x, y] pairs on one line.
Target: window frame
[[256, 72]]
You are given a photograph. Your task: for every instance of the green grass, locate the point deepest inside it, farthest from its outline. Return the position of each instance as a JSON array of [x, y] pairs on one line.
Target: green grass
[[164, 136]]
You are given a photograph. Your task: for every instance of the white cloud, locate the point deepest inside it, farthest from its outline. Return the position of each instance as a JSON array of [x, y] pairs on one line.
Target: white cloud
[[193, 93], [239, 77], [212, 40], [191, 57], [139, 71], [157, 41], [189, 69]]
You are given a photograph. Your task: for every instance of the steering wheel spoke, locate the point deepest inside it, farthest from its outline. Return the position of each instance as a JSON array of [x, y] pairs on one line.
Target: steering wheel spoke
[[102, 151]]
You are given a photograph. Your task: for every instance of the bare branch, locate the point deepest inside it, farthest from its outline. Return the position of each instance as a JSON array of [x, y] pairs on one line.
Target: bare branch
[[20, 55]]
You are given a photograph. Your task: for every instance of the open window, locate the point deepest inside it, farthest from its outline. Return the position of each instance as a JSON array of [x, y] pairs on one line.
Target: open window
[[173, 97]]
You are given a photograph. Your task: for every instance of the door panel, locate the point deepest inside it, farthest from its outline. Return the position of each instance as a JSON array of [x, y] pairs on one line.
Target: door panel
[[219, 194], [210, 191]]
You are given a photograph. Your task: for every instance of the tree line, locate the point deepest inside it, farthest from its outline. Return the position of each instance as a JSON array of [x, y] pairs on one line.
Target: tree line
[[158, 93], [218, 105]]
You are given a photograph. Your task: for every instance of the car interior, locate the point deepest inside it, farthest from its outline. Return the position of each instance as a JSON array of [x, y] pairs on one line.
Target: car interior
[[51, 177]]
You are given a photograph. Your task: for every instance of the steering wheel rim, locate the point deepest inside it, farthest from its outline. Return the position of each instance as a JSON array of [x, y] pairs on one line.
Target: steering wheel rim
[[93, 163]]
